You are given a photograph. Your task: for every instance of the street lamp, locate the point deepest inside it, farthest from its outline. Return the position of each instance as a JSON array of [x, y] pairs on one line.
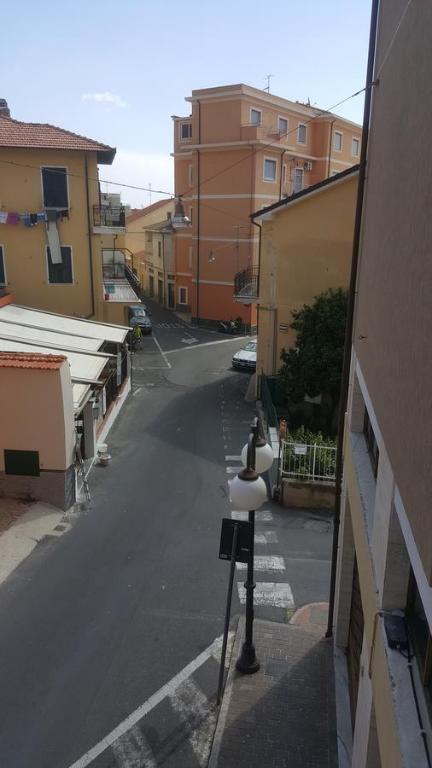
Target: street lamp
[[248, 492]]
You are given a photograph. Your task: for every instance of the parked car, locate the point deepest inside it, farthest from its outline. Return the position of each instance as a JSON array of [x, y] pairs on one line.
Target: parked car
[[245, 358], [139, 315]]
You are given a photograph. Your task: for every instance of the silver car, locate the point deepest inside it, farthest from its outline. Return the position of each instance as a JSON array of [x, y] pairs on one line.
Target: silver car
[[245, 358]]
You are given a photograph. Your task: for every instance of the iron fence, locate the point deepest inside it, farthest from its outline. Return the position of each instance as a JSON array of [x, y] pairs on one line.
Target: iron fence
[[310, 462], [109, 216]]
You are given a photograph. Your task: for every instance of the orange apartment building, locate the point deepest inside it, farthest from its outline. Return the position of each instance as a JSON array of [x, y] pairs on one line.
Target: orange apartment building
[[240, 150]]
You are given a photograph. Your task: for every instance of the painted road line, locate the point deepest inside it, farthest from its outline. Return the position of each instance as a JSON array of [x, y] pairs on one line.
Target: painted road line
[[205, 344], [217, 648], [267, 593], [267, 537], [193, 708], [263, 516], [232, 458], [133, 751], [265, 563], [145, 708], [162, 352], [234, 470]]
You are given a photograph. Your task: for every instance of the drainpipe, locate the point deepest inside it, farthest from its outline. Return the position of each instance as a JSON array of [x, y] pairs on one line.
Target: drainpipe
[[350, 312], [90, 245], [281, 174], [198, 218]]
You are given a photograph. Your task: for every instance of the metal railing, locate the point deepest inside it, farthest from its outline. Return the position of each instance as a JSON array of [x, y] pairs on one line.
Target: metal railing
[[246, 283], [310, 462], [133, 280], [109, 216]]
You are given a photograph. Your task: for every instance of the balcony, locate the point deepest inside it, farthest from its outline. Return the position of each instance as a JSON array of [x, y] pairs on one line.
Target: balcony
[[108, 219], [246, 286]]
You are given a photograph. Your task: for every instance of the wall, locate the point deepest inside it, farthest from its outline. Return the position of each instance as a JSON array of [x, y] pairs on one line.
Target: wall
[[306, 248]]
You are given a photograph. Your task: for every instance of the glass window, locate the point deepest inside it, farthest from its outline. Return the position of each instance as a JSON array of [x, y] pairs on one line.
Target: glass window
[[186, 131], [60, 273], [298, 180], [371, 443], [355, 147], [269, 170], [301, 134], [55, 191], [420, 636], [337, 141], [182, 295], [282, 125], [255, 117], [159, 249], [2, 267]]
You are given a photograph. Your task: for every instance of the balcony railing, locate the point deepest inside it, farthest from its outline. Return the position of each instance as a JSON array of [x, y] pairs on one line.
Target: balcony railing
[[246, 284], [109, 216]]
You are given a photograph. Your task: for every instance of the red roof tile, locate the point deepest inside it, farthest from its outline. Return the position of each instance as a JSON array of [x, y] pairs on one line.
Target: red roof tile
[[138, 212], [31, 360], [14, 133]]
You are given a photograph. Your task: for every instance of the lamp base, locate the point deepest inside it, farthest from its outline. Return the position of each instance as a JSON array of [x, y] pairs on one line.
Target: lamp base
[[247, 663]]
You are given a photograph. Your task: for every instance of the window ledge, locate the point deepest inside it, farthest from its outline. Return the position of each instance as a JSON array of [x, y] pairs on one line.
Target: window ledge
[[365, 478]]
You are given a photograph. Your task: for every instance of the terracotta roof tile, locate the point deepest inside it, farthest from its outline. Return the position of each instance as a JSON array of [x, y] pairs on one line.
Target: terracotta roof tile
[[138, 212], [31, 360], [14, 133]]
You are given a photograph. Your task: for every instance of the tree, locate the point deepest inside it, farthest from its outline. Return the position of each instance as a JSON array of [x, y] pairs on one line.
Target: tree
[[314, 366]]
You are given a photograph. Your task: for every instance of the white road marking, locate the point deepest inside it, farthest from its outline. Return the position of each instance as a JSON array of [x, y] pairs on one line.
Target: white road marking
[[232, 458], [263, 516], [145, 708], [133, 751], [234, 470], [205, 344], [162, 352], [136, 391], [217, 648], [266, 593], [194, 710], [189, 340], [265, 563], [267, 537]]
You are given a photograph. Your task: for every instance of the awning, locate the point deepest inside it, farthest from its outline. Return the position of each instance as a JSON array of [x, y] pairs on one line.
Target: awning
[[62, 324], [84, 368]]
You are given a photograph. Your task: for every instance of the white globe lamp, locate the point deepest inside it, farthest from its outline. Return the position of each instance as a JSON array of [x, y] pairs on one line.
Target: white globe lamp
[[248, 490], [263, 456]]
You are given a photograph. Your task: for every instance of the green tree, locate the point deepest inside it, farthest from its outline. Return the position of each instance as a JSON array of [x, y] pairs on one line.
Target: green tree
[[314, 365]]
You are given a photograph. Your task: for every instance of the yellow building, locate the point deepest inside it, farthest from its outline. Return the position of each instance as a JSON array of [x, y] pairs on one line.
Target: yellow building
[[306, 246], [57, 238], [150, 252]]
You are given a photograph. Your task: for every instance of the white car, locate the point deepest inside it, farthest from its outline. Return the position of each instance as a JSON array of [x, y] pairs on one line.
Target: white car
[[245, 358]]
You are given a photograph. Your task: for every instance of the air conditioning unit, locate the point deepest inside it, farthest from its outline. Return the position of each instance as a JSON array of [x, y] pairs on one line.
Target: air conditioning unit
[[307, 165]]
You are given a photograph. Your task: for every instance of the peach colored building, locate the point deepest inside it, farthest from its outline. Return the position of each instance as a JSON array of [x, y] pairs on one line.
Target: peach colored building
[[240, 150]]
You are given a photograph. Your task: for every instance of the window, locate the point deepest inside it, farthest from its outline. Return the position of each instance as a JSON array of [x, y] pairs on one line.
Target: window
[[255, 116], [371, 443], [355, 149], [55, 191], [113, 264], [298, 180], [190, 175], [60, 273], [337, 141], [159, 249], [270, 167], [282, 126], [420, 636], [2, 267], [301, 134], [183, 295], [186, 131]]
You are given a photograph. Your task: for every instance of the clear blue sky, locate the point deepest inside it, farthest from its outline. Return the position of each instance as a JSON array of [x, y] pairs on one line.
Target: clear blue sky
[[116, 71]]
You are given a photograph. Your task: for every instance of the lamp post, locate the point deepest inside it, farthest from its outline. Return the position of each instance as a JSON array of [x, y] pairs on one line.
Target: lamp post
[[248, 492]]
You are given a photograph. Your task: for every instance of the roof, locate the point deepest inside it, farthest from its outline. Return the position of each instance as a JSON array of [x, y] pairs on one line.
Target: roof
[[138, 212], [305, 192], [31, 360], [14, 133]]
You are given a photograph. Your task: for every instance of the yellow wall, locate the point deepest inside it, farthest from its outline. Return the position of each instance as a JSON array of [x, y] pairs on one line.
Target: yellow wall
[[24, 248], [305, 249]]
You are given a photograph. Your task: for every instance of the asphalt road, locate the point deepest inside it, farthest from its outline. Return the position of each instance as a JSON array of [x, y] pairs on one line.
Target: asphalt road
[[98, 620]]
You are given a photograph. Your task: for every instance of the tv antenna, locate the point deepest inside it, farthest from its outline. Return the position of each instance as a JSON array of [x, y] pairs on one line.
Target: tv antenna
[[267, 88]]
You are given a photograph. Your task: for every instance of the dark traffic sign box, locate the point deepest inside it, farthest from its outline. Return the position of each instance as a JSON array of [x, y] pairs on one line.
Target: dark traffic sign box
[[244, 541]]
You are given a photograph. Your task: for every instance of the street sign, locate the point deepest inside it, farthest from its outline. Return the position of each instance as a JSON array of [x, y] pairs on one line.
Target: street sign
[[300, 449], [244, 544]]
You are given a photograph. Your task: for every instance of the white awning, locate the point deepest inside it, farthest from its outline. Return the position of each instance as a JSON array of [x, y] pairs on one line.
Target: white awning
[[83, 368], [59, 340], [61, 324], [79, 393]]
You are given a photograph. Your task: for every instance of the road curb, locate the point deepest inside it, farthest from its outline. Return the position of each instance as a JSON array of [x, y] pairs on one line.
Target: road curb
[[226, 698]]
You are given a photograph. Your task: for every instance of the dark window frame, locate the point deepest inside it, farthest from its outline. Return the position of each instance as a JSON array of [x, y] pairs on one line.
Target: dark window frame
[[188, 132], [3, 280], [371, 443], [50, 201], [52, 268], [420, 637]]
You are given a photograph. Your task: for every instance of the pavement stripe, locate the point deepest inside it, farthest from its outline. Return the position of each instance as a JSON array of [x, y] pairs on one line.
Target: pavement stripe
[[168, 364], [205, 344], [232, 458], [217, 648], [145, 708], [133, 751], [267, 537], [233, 470], [197, 715], [267, 593], [262, 516], [264, 563]]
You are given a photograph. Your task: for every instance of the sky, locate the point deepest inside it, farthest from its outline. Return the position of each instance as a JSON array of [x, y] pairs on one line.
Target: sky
[[117, 71]]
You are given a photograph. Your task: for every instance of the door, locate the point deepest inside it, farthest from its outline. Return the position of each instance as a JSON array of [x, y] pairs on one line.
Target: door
[[151, 286], [171, 296], [160, 291]]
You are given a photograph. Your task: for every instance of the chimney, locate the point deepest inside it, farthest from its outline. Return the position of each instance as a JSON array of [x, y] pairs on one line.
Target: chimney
[[4, 109]]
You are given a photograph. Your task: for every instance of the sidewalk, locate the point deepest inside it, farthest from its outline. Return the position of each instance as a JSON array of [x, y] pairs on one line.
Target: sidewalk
[[283, 715]]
